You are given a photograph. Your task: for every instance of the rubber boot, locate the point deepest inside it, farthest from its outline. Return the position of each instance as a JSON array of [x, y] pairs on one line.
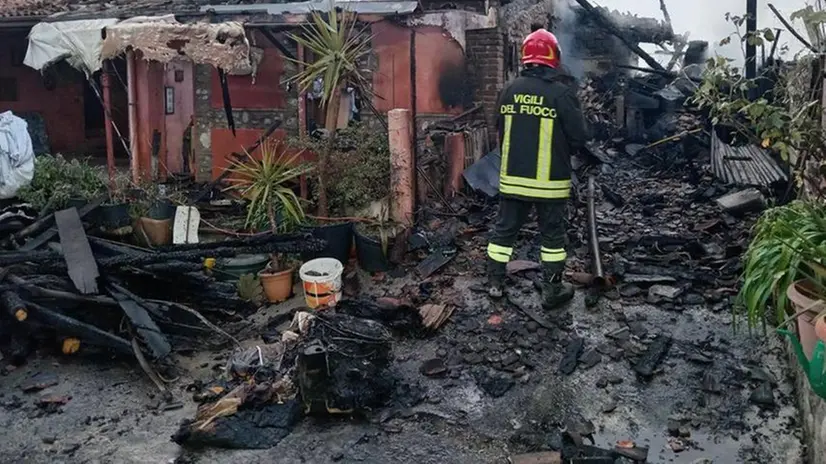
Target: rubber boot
[[496, 278], [555, 292]]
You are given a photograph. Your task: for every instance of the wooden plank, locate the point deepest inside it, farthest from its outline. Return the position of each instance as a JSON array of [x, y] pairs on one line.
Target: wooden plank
[[549, 457], [83, 270]]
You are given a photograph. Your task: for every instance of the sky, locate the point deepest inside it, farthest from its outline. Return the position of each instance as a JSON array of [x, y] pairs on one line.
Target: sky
[[705, 19]]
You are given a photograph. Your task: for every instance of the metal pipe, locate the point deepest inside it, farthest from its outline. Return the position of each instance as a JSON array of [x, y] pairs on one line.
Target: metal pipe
[[751, 30], [107, 115], [134, 162], [599, 274]]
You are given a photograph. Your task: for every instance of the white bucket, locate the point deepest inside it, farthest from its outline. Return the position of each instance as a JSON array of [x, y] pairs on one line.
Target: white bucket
[[321, 279]]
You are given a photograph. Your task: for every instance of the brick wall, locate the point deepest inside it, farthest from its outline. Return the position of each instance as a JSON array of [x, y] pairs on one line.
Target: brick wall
[[486, 56]]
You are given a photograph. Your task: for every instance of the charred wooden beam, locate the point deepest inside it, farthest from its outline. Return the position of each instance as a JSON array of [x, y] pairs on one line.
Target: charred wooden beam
[[85, 332], [641, 29], [611, 27], [14, 306], [35, 290], [44, 224]]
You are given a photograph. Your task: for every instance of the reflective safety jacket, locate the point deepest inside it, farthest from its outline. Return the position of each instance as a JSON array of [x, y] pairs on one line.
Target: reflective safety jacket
[[540, 126]]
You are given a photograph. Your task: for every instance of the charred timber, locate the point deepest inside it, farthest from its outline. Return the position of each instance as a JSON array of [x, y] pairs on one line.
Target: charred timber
[[608, 23], [90, 334], [640, 30], [593, 236], [14, 306], [293, 246]]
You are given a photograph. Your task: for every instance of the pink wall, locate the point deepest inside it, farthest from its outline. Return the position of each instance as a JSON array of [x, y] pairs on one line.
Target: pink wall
[[180, 77], [151, 78]]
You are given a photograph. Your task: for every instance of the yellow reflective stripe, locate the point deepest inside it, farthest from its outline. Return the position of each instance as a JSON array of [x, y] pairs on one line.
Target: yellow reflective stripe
[[506, 145], [544, 151], [553, 255], [537, 184], [530, 192], [499, 253]]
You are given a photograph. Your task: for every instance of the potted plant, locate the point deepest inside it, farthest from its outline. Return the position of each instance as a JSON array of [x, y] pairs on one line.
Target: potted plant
[[153, 212], [784, 268], [115, 212], [374, 240], [340, 47], [277, 279], [266, 184], [337, 235]]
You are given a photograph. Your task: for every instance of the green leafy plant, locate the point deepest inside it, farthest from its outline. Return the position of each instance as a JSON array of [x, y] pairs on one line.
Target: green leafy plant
[[339, 49], [249, 289], [57, 180], [787, 119], [789, 244], [265, 184], [361, 171], [281, 263]]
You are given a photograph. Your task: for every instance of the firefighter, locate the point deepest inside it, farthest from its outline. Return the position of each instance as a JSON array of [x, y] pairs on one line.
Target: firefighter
[[540, 126]]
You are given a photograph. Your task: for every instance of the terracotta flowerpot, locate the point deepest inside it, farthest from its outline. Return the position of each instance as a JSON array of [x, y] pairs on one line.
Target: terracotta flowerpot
[[820, 327], [158, 231], [278, 286], [802, 296]]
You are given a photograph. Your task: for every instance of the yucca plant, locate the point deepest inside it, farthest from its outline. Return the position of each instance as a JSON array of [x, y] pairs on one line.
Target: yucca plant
[[789, 244], [337, 47], [264, 183]]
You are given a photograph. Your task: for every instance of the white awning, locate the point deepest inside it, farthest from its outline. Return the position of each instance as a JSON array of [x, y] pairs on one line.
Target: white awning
[[78, 42]]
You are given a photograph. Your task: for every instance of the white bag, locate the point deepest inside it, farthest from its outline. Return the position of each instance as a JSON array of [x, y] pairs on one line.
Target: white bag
[[16, 155]]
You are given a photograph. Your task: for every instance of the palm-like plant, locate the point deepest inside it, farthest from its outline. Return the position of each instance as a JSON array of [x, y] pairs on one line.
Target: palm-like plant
[[264, 184], [338, 48]]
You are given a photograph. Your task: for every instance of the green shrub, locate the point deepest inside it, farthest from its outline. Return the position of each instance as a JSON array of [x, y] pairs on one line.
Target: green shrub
[[57, 179], [359, 168]]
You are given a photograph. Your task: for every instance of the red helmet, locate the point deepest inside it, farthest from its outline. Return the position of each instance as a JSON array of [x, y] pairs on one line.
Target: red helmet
[[541, 47]]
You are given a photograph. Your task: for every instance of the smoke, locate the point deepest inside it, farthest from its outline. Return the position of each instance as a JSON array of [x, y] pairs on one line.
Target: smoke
[[706, 20], [565, 31]]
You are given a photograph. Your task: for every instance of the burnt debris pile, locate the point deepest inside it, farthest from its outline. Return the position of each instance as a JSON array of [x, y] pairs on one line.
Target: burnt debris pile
[[65, 289], [326, 364]]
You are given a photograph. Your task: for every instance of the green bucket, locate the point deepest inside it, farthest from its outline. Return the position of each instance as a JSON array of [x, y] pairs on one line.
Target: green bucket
[[231, 269]]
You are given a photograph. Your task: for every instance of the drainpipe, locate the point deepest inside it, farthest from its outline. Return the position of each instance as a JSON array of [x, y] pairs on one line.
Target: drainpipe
[[302, 120], [133, 116], [107, 115]]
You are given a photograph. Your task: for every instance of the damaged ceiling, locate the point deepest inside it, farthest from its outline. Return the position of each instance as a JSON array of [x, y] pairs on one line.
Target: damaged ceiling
[[222, 45]]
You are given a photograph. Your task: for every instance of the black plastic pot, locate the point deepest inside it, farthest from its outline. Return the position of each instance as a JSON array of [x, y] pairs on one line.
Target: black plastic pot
[[113, 216], [76, 202], [339, 238], [371, 256], [161, 210]]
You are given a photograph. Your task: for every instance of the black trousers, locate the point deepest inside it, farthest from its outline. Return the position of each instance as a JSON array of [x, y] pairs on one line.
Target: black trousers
[[512, 216]]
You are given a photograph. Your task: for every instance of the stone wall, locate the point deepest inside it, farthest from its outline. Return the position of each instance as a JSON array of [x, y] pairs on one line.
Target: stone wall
[[208, 118]]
